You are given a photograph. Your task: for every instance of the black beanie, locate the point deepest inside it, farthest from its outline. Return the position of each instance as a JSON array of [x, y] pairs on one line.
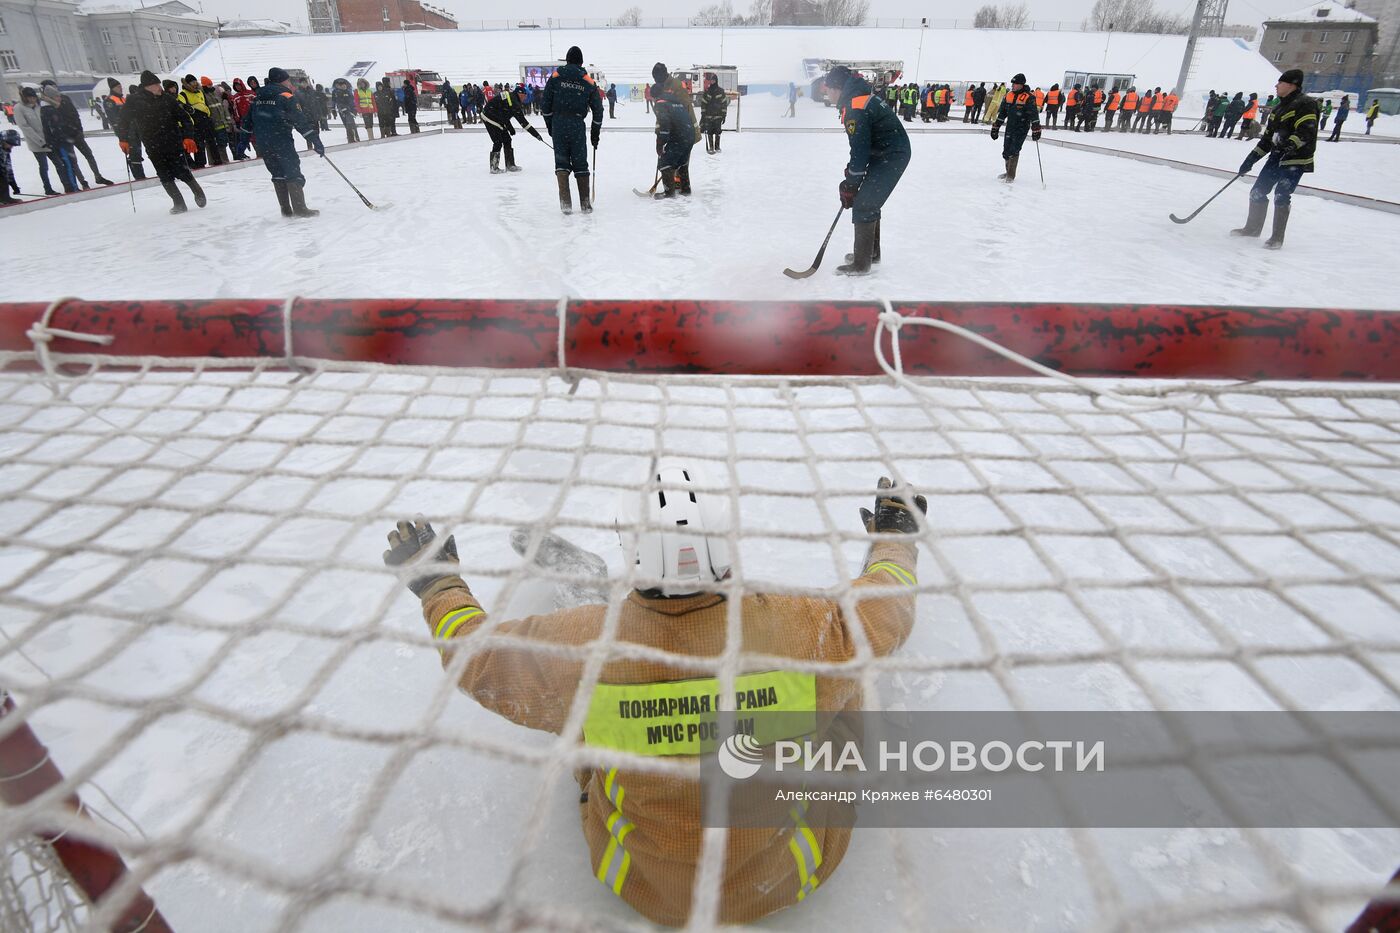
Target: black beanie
[[659, 73], [1018, 78], [837, 77], [1292, 76], [113, 82], [277, 75], [148, 78], [574, 56]]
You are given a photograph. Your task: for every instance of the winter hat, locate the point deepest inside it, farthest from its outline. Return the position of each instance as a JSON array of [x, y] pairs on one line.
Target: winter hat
[[837, 77], [11, 138], [238, 85], [1292, 76], [28, 92], [277, 75], [148, 78], [113, 82], [574, 56], [191, 79], [1018, 78], [206, 81], [659, 73]]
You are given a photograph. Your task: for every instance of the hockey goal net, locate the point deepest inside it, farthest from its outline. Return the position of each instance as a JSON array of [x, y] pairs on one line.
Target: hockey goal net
[[197, 623]]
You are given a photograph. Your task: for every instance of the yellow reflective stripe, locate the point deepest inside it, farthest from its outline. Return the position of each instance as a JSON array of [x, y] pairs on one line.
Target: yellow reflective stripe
[[1304, 119], [613, 789], [806, 853], [449, 623], [898, 572], [616, 860], [1295, 140]]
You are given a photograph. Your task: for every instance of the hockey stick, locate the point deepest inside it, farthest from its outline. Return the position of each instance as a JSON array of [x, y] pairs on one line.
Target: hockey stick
[[1192, 216], [1040, 163], [348, 182], [130, 185], [820, 253], [650, 191], [506, 129], [594, 199]]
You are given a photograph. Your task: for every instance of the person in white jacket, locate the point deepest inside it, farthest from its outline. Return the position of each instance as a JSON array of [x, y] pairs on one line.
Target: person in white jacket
[[31, 126]]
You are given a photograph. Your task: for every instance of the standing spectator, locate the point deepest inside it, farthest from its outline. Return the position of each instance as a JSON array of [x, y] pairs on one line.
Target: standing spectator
[[112, 106], [31, 125], [452, 103], [612, 101], [1326, 114], [387, 107], [343, 101], [410, 104], [220, 115], [1343, 112], [1211, 101], [276, 112], [191, 95], [1232, 115], [1052, 107], [1251, 113], [323, 108], [59, 138], [646, 96], [72, 127], [9, 140], [714, 106], [1111, 111], [167, 129], [365, 105], [1372, 112], [792, 100], [242, 99]]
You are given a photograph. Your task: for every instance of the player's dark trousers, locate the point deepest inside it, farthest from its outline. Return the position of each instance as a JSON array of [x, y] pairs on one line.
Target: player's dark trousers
[[1012, 141], [1282, 180], [570, 144], [171, 165], [283, 163], [880, 178], [500, 139]]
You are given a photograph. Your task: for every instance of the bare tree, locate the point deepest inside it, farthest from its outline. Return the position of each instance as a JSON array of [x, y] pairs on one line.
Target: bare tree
[[1015, 16], [716, 14], [1133, 16], [986, 17], [632, 16], [844, 12], [761, 13]]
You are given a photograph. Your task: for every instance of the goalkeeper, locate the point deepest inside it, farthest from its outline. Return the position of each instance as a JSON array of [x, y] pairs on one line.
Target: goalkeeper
[[643, 829]]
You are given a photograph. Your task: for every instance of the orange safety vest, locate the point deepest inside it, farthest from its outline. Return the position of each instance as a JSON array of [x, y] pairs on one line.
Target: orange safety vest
[[1253, 112], [1113, 102], [967, 100], [1039, 98], [1098, 96], [1172, 101], [1071, 98], [1052, 97], [1130, 101], [1159, 101], [1146, 104]]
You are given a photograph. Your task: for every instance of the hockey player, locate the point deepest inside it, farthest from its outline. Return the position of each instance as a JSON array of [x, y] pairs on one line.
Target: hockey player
[[500, 109], [167, 130], [676, 132], [275, 113], [1290, 142], [714, 106], [569, 95], [1019, 114], [879, 155], [642, 828]]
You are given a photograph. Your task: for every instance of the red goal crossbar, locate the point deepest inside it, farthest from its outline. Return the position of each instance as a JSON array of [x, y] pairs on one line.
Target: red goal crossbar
[[816, 338]]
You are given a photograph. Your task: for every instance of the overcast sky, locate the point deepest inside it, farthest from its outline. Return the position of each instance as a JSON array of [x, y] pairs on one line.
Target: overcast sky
[[1250, 12]]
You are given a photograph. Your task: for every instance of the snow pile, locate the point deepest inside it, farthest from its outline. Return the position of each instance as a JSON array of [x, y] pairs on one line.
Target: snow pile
[[764, 56]]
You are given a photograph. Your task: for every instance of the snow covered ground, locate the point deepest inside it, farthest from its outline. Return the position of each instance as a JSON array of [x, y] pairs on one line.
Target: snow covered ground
[[762, 205]]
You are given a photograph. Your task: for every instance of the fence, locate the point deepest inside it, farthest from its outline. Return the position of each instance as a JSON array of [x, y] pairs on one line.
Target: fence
[[682, 22]]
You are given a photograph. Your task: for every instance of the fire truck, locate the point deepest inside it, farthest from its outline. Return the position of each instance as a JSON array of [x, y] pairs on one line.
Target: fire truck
[[427, 83], [880, 73]]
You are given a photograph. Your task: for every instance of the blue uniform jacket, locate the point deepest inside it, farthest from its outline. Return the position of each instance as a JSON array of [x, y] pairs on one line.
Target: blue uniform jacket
[[872, 129], [570, 92], [274, 113]]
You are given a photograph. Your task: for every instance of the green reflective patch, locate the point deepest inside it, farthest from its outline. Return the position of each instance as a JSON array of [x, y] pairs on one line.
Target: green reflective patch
[[681, 717]]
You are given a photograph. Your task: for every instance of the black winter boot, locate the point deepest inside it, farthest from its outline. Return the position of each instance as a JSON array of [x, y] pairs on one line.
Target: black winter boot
[[864, 252], [1280, 225], [566, 202], [297, 194], [283, 199], [496, 163], [1255, 224], [199, 199], [684, 176], [585, 203], [668, 182], [875, 253], [175, 196]]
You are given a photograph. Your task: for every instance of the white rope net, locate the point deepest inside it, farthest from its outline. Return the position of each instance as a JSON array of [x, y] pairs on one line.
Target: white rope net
[[196, 619]]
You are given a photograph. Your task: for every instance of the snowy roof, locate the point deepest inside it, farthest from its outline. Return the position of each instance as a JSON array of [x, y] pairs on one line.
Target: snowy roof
[[167, 8], [763, 55], [258, 25], [1328, 11]]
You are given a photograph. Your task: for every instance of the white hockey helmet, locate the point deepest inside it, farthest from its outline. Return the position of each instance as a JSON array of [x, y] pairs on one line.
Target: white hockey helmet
[[678, 540]]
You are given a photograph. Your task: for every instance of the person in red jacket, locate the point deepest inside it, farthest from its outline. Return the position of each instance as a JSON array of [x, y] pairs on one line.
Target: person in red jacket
[[242, 100]]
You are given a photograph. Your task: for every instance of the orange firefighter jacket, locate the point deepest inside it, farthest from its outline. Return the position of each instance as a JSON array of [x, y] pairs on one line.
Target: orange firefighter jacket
[[1172, 101], [967, 98], [1253, 112], [1039, 98], [1071, 98], [1098, 96], [643, 828], [1146, 103], [1130, 101], [1052, 97], [1159, 101], [1113, 102]]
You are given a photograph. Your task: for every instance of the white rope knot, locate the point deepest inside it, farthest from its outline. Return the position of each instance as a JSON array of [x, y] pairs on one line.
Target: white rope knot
[[41, 335], [891, 318]]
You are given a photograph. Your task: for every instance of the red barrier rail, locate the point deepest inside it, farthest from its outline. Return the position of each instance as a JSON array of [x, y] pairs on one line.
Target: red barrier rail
[[819, 338], [26, 771]]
